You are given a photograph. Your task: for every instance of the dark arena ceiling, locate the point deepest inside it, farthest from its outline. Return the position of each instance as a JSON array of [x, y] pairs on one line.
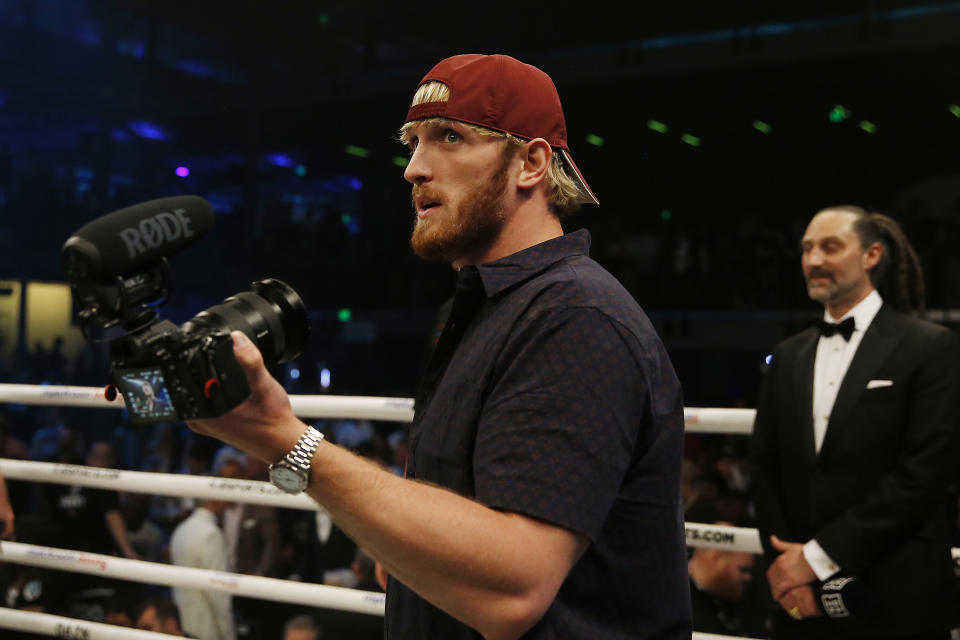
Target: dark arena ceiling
[[688, 117]]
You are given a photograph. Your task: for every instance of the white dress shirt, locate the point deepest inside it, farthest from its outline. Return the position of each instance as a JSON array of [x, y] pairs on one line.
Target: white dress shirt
[[834, 355], [231, 532], [199, 542]]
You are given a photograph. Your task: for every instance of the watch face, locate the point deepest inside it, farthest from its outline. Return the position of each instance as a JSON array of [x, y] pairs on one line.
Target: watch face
[[287, 479]]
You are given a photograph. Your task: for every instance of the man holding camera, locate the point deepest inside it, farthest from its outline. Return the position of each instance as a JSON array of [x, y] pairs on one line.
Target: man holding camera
[[541, 496]]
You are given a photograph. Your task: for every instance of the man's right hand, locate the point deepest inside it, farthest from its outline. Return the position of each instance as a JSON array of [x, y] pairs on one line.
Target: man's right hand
[[263, 425]]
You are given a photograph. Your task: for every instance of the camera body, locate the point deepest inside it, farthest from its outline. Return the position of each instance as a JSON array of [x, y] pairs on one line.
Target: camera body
[[166, 373], [119, 275]]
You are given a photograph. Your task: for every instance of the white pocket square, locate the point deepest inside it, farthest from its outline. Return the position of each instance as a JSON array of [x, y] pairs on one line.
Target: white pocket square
[[876, 384]]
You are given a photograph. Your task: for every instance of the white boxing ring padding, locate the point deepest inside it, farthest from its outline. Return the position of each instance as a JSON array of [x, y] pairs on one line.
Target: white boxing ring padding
[[697, 420]]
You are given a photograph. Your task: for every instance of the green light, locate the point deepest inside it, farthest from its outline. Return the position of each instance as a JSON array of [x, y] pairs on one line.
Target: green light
[[658, 126], [839, 113], [762, 127], [595, 140], [323, 19], [868, 126], [666, 215], [346, 218], [400, 161], [344, 315], [360, 152], [955, 110], [301, 171], [691, 140]]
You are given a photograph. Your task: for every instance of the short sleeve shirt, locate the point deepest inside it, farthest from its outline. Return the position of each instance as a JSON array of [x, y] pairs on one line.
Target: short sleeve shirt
[[549, 394], [80, 513]]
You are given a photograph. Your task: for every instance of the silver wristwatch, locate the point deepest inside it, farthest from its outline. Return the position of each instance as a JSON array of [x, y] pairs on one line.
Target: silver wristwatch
[[292, 472]]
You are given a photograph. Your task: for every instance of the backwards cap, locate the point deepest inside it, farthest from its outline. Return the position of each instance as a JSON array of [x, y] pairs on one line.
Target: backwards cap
[[501, 93]]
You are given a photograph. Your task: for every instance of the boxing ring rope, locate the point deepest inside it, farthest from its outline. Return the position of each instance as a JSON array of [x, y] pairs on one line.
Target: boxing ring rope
[[164, 484], [697, 420], [235, 584], [60, 627], [312, 595], [264, 493], [355, 407]]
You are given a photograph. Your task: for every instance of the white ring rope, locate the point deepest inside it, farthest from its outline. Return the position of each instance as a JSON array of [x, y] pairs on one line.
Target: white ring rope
[[714, 420], [698, 420], [356, 407], [165, 484], [236, 584], [252, 491], [717, 536], [60, 627], [58, 396], [746, 539]]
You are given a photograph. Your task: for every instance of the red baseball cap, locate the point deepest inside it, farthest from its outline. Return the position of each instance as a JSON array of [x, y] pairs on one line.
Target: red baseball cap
[[501, 93]]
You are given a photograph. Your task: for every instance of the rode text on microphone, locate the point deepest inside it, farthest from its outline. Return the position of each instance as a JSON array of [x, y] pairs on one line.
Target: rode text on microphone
[[154, 232]]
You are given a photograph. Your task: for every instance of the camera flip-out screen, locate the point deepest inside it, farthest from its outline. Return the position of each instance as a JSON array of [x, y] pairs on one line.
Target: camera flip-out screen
[[146, 395]]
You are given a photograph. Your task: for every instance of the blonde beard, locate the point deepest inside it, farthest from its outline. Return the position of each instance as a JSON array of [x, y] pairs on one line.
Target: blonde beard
[[469, 228]]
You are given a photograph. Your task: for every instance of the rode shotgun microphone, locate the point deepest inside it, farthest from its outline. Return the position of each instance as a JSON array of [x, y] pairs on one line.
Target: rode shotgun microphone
[[135, 238], [118, 271]]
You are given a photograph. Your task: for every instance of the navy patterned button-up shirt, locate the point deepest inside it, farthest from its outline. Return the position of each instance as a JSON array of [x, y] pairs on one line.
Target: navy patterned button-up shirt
[[549, 394]]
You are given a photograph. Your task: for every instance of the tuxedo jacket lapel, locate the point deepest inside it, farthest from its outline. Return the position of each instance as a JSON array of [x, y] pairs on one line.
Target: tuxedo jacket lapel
[[875, 347], [803, 383]]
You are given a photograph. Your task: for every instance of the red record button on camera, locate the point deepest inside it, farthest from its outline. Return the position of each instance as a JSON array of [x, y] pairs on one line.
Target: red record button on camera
[[211, 385]]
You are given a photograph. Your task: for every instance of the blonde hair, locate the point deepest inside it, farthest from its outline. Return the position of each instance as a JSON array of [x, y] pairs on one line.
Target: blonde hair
[[562, 189]]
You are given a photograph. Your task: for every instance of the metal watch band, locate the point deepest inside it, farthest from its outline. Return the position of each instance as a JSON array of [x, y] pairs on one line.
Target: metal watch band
[[302, 453]]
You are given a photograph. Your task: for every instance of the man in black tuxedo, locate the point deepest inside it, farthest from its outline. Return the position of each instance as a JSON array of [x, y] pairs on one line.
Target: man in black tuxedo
[[854, 450]]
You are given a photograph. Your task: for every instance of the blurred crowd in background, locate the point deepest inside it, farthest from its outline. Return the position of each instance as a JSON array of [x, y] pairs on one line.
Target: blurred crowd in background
[[728, 587], [280, 543]]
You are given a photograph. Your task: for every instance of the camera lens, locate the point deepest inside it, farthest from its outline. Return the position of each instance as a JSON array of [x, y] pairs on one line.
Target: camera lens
[[271, 314]]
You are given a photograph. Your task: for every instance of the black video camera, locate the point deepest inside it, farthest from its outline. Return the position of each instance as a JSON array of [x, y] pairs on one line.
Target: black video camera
[[118, 272]]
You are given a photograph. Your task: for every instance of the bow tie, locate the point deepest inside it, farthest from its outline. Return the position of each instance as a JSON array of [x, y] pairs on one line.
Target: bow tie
[[844, 328]]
